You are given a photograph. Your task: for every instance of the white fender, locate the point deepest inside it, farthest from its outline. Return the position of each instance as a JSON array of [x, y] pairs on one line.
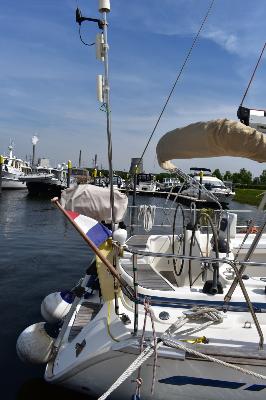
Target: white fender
[[55, 306], [34, 345], [120, 235]]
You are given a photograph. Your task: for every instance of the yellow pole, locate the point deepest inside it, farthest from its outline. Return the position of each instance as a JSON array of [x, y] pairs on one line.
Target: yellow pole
[[69, 170]]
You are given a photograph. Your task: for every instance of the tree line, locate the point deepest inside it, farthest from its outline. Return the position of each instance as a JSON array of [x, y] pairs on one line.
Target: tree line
[[243, 177]]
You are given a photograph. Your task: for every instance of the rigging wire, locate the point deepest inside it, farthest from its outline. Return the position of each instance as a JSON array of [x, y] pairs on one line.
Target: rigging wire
[[177, 79], [252, 76]]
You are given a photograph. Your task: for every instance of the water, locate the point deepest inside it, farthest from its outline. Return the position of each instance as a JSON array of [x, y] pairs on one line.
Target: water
[[40, 253]]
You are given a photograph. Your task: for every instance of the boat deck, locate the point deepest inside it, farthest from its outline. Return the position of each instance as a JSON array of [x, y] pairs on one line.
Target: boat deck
[[86, 313]]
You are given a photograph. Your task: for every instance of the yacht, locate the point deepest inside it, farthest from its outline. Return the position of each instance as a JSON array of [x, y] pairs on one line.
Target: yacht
[[47, 181], [146, 183], [13, 169], [169, 184], [118, 182], [215, 186]]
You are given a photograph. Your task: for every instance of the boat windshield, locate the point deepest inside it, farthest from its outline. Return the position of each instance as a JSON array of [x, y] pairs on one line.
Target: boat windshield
[[43, 171], [217, 184], [145, 177]]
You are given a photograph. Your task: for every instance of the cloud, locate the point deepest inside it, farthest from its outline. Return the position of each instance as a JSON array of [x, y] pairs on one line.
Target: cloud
[[228, 41]]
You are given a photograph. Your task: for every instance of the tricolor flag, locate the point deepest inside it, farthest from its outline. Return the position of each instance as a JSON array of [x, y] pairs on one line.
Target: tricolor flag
[[94, 230]]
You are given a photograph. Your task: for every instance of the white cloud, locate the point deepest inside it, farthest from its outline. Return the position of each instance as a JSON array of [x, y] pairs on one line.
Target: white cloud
[[227, 40]]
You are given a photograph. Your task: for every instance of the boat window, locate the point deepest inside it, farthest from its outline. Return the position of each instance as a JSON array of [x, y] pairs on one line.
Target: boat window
[[145, 178], [213, 184]]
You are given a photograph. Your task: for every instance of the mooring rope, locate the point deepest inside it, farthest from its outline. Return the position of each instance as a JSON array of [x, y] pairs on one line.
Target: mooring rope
[[197, 313], [178, 345]]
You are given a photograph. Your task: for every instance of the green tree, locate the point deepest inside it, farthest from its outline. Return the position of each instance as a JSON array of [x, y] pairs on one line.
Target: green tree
[[263, 177], [236, 177], [256, 180], [245, 176], [217, 173], [227, 176]]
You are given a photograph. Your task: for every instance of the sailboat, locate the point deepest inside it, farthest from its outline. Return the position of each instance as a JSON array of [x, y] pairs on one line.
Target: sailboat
[[160, 316]]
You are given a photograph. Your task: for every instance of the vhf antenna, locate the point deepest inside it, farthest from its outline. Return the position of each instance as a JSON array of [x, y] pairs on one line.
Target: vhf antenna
[[80, 19]]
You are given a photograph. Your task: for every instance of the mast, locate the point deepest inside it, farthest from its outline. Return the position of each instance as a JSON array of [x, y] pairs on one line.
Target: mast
[[104, 8], [103, 87]]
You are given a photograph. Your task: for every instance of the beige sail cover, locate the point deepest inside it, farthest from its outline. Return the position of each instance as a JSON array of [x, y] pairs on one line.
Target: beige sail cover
[[221, 137], [94, 202]]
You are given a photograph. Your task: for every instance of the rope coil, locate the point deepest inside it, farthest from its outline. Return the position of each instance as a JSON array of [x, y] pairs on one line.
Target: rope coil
[[148, 213]]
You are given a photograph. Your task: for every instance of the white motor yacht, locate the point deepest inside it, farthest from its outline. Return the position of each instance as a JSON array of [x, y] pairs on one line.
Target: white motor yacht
[[146, 183], [214, 185], [47, 181], [168, 184], [12, 170]]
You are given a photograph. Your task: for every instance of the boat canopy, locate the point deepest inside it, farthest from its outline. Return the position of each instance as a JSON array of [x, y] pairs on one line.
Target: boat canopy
[[94, 202], [221, 137]]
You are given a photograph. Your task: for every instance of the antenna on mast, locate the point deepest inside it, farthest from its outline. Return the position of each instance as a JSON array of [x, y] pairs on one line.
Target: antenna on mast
[[103, 88]]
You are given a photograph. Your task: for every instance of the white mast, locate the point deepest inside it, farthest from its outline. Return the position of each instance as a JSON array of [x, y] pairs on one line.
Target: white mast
[[104, 8]]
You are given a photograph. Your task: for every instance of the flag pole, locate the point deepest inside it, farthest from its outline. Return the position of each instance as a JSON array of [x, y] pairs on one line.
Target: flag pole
[[94, 248]]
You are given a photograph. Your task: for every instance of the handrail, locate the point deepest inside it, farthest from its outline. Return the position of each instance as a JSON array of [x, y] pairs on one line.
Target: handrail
[[198, 258], [232, 263]]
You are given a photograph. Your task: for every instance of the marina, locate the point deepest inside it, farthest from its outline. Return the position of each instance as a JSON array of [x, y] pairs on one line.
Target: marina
[[34, 258]]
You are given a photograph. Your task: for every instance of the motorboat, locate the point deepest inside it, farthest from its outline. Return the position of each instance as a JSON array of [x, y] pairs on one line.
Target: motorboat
[[216, 186], [146, 183], [13, 169], [177, 314], [118, 182], [47, 181], [169, 184]]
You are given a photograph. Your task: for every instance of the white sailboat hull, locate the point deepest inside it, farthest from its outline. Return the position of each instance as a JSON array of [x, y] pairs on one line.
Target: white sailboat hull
[[177, 377]]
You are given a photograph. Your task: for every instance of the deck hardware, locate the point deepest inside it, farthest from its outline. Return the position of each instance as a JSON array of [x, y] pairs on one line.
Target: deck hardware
[[164, 315], [247, 325], [125, 319], [79, 347]]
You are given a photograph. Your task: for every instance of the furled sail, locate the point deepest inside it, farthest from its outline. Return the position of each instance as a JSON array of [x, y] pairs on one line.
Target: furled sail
[[221, 137], [94, 202]]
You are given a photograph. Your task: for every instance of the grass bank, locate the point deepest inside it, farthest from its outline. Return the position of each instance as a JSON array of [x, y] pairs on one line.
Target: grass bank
[[248, 196]]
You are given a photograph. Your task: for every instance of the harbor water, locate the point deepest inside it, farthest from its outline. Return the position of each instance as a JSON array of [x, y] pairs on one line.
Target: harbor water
[[40, 253]]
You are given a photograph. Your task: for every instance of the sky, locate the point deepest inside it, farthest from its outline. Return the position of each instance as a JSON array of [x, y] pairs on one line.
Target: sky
[[48, 78]]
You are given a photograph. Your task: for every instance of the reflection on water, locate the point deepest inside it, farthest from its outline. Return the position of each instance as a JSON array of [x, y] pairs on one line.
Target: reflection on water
[[40, 253], [38, 389]]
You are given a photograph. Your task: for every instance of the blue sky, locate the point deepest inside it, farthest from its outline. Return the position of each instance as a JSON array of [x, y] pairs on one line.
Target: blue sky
[[48, 78]]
